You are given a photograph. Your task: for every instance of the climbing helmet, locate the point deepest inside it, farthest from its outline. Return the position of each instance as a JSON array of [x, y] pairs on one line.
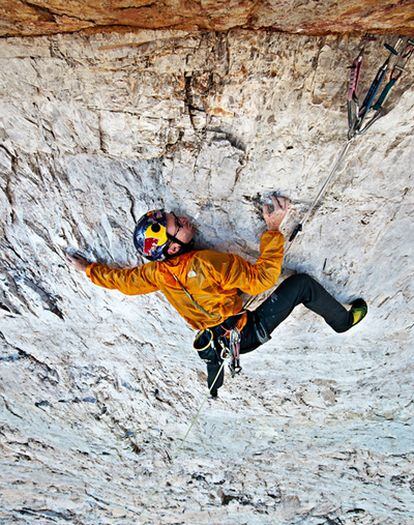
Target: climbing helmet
[[150, 235]]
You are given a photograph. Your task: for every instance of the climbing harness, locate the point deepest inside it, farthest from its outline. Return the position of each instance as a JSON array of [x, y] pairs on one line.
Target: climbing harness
[[223, 346], [213, 348]]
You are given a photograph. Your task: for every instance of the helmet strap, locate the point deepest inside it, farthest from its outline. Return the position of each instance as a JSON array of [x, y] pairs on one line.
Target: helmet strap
[[184, 247]]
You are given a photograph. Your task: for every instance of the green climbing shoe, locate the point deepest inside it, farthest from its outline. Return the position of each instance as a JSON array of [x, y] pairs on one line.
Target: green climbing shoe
[[359, 310]]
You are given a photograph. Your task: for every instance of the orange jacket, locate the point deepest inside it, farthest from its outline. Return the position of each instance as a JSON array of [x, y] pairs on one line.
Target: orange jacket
[[213, 279]]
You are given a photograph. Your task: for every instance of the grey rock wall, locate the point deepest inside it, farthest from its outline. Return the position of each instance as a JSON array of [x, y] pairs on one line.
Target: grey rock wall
[[98, 388]]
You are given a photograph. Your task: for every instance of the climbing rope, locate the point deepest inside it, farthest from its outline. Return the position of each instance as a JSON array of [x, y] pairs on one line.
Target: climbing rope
[[195, 417], [230, 353], [320, 194]]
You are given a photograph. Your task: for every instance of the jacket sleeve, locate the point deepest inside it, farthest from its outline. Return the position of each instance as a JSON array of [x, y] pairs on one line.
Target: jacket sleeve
[[130, 281], [232, 271]]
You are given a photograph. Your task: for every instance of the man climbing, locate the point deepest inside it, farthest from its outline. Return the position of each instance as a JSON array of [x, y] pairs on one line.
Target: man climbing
[[205, 286]]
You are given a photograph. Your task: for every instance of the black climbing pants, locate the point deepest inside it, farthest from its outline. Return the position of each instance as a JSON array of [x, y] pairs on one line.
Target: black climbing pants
[[297, 289]]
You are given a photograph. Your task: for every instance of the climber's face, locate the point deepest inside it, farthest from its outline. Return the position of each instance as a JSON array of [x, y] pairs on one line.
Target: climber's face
[[181, 228]]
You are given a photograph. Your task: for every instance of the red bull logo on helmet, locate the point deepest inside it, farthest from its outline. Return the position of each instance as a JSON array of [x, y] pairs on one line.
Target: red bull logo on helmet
[[155, 235], [150, 236]]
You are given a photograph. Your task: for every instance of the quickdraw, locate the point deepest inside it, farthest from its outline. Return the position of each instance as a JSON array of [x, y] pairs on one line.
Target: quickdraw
[[372, 107], [352, 98], [397, 71], [372, 104], [230, 343]]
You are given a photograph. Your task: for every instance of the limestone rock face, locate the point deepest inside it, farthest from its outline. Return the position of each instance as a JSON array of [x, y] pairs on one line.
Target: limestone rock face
[[97, 389], [42, 17]]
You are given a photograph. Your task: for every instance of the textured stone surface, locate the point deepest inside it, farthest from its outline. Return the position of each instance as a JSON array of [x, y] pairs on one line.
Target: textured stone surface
[[42, 17], [97, 388]]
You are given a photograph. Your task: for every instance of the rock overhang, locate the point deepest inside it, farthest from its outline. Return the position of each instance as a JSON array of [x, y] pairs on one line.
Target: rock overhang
[[41, 17]]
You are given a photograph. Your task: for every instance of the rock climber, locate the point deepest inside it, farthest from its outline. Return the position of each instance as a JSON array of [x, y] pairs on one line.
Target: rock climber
[[205, 286]]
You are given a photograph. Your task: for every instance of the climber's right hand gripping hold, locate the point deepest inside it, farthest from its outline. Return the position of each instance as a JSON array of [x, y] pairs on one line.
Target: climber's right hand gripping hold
[[275, 218]]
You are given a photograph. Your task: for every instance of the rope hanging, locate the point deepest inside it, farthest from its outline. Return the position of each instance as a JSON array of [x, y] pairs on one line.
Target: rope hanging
[[195, 417]]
